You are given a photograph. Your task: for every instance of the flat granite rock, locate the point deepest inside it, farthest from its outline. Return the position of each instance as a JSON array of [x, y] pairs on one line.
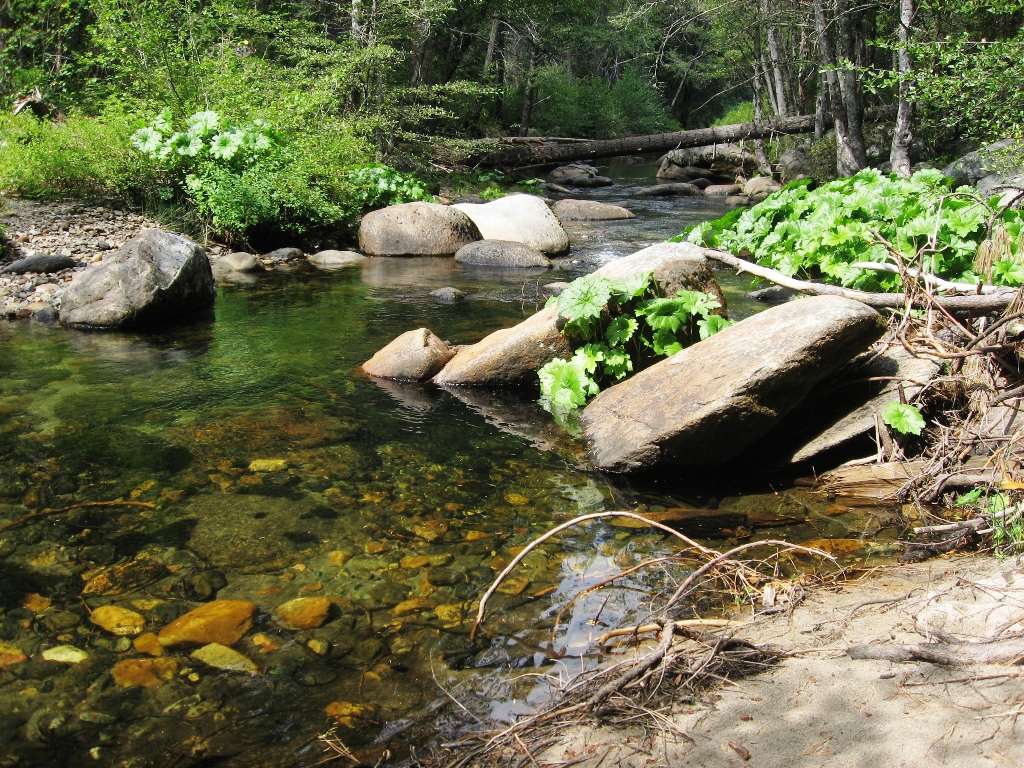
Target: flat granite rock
[[41, 263]]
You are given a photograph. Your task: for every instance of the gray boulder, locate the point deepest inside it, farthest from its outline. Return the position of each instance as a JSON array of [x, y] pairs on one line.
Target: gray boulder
[[238, 262], [519, 219], [416, 229], [723, 190], [447, 295], [40, 263], [1008, 187], [794, 164], [760, 187], [331, 259], [721, 158], [704, 405], [589, 210], [413, 356], [578, 175], [281, 255], [156, 276], [670, 190], [1002, 157], [512, 356], [501, 253]]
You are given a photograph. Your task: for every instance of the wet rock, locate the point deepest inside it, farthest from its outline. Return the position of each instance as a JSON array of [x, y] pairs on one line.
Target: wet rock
[[670, 190], [40, 263], [414, 356], [447, 295], [349, 714], [144, 673], [99, 554], [155, 277], [413, 605], [737, 201], [555, 288], [239, 261], [268, 465], [10, 655], [773, 294], [333, 259], [705, 404], [205, 585], [723, 190], [65, 654], [501, 253], [116, 579], [522, 219], [669, 171], [222, 621], [61, 621], [589, 210], [118, 621], [304, 612], [578, 175], [149, 644], [313, 674], [227, 659], [281, 255], [416, 229], [760, 187], [365, 651]]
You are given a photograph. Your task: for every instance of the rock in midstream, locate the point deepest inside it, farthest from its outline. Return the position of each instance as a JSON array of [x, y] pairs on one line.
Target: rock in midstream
[[416, 229], [413, 356], [521, 219], [589, 210], [155, 277], [704, 405], [512, 356], [502, 253]]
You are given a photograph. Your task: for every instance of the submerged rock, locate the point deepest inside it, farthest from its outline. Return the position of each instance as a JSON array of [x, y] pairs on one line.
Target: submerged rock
[[281, 255], [704, 405], [144, 673], [227, 659], [65, 654], [414, 356], [589, 210], [723, 190], [501, 253], [222, 621], [447, 295], [155, 277], [118, 621], [521, 219], [578, 175], [416, 229], [239, 261], [670, 190], [304, 612]]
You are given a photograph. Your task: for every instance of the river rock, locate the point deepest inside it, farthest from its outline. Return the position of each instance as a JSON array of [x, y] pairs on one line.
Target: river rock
[[794, 164], [221, 621], [512, 356], [760, 187], [721, 158], [281, 255], [239, 261], [669, 171], [670, 190], [65, 654], [414, 356], [416, 229], [1000, 157], [501, 253], [156, 276], [589, 210], [705, 404], [447, 295], [118, 621], [723, 190], [304, 612], [521, 219], [221, 657], [773, 294], [144, 673], [40, 263], [10, 655], [578, 175], [334, 259]]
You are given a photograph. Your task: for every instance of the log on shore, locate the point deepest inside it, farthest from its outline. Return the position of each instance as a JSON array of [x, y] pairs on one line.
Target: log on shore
[[510, 157]]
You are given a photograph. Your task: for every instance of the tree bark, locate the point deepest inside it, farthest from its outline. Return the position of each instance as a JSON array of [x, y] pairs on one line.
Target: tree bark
[[849, 86], [846, 159], [659, 142], [524, 123], [492, 41], [357, 20], [768, 11], [901, 137]]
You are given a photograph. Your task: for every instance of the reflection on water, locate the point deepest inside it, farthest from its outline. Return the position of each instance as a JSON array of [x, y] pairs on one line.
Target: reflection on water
[[398, 503]]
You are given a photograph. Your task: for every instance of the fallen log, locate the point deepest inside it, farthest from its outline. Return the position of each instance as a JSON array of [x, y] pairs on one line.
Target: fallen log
[[659, 142], [1009, 651], [995, 301]]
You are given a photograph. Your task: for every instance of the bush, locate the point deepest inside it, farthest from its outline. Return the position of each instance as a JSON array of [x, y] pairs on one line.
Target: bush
[[737, 113]]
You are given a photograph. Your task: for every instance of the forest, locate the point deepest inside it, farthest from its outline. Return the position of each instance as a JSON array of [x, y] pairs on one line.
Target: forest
[[369, 102]]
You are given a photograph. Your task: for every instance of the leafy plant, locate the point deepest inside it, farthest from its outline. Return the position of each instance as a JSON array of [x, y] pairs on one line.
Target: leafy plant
[[378, 185], [904, 418], [872, 217], [620, 326]]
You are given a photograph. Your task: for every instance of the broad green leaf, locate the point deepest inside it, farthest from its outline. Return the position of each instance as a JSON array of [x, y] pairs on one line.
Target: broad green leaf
[[904, 418]]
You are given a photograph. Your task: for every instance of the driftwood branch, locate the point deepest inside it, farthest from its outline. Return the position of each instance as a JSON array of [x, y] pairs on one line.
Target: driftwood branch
[[988, 302], [1010, 651], [47, 512]]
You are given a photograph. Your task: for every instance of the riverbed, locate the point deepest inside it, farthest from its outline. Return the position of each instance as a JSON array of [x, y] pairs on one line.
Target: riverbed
[[271, 468]]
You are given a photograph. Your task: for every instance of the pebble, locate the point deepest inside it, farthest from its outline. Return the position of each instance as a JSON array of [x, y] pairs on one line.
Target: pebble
[[118, 621], [66, 654], [304, 612], [228, 659], [144, 673], [414, 605], [148, 644], [268, 465], [221, 621]]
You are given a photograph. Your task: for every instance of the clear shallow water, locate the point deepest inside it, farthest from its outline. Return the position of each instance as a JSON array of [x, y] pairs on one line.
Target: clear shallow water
[[397, 502]]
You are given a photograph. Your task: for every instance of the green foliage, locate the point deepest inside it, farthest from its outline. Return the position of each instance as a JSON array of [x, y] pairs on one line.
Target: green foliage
[[824, 232], [904, 418], [738, 113], [619, 326], [378, 185]]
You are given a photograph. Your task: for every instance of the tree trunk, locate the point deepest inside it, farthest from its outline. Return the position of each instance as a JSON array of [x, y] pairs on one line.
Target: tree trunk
[[524, 123], [357, 20], [492, 41], [781, 108], [549, 154], [849, 86], [846, 160], [900, 154], [759, 153]]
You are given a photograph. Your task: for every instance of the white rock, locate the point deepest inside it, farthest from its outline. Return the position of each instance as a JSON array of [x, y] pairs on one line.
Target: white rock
[[520, 219], [66, 654]]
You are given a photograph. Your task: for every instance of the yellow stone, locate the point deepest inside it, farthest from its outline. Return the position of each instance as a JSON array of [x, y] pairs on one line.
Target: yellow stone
[[118, 621], [319, 647], [304, 612], [268, 465], [347, 713], [36, 603], [265, 642], [220, 621], [10, 655], [375, 547], [250, 480], [413, 605], [476, 535], [144, 673], [450, 614], [836, 546], [149, 644], [338, 558], [513, 585], [415, 561], [146, 603], [228, 659], [431, 530], [517, 499], [313, 586]]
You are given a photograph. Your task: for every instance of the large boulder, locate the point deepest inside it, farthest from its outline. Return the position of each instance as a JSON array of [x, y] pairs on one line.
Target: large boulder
[[759, 187], [501, 253], [794, 164], [512, 356], [416, 229], [704, 405], [578, 175], [156, 276], [669, 171], [721, 158], [414, 356], [1002, 157], [521, 219], [589, 210]]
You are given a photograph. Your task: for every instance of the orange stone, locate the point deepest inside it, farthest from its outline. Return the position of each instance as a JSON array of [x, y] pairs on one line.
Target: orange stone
[[476, 535], [118, 621], [304, 612], [144, 673], [10, 655], [415, 561], [412, 606], [221, 621], [148, 644], [36, 603]]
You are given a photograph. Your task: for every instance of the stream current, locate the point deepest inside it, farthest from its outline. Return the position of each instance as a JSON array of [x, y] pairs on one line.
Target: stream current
[[397, 502]]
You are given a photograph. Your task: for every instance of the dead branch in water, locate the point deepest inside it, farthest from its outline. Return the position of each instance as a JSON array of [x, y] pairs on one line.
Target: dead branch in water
[[47, 512]]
